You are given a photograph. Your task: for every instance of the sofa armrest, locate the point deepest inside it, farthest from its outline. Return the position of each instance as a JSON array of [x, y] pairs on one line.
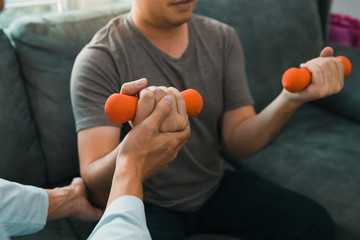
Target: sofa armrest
[[347, 102]]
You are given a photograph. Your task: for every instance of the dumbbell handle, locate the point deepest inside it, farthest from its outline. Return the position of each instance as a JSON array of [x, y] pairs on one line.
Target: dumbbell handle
[[120, 108], [296, 79]]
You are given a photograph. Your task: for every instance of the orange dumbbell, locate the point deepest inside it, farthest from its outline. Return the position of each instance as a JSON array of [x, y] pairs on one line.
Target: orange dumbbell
[[120, 108], [296, 79]]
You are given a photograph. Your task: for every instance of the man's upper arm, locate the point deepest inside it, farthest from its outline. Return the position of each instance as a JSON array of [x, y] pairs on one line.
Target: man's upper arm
[[93, 80]]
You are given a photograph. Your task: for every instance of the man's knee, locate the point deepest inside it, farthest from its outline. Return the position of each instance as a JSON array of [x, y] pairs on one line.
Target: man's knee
[[163, 224], [314, 221]]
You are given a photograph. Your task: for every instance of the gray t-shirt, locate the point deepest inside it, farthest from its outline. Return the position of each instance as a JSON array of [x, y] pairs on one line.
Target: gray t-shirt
[[212, 64]]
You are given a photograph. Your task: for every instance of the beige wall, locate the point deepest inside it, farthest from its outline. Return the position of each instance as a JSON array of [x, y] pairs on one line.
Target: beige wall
[[348, 7]]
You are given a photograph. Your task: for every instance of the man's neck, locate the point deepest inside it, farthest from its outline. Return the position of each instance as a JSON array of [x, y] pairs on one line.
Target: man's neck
[[172, 40]]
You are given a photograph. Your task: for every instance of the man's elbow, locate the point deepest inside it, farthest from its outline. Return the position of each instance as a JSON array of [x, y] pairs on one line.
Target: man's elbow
[[98, 195], [238, 151]]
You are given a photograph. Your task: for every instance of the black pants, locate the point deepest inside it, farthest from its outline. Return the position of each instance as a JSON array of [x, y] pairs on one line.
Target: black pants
[[248, 207]]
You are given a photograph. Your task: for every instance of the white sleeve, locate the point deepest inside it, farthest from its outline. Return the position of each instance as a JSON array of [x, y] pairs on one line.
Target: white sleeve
[[123, 219], [23, 209], [3, 233]]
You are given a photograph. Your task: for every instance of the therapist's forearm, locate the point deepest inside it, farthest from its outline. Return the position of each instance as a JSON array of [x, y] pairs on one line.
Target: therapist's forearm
[[72, 201], [59, 206], [126, 181]]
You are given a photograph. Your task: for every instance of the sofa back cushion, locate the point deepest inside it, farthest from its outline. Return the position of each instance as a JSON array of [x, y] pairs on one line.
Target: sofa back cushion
[[275, 35], [21, 158], [47, 46]]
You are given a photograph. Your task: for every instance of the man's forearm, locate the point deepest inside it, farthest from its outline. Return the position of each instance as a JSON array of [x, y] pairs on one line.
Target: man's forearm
[[256, 132], [98, 178]]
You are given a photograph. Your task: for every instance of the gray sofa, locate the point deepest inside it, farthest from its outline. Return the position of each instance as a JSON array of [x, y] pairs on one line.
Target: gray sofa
[[317, 154]]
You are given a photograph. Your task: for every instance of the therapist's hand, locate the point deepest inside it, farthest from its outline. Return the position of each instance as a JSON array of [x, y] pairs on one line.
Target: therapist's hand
[[72, 201], [149, 97], [146, 151], [177, 120]]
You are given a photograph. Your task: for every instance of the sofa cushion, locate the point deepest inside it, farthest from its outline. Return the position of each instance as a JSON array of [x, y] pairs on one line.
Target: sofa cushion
[[289, 33], [317, 155], [21, 158], [47, 46]]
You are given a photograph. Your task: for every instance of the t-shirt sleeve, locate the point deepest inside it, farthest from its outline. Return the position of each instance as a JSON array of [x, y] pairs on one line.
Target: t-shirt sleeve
[[94, 78], [236, 89]]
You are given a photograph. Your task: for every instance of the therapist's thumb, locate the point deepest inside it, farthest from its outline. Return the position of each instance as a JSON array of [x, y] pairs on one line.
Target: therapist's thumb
[[162, 110]]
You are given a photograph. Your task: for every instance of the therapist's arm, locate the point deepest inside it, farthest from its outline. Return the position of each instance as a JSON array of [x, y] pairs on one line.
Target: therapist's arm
[[72, 201], [147, 150], [25, 209], [143, 153]]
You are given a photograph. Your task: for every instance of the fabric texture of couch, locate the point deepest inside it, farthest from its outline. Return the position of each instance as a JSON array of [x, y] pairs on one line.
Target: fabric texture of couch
[[317, 154]]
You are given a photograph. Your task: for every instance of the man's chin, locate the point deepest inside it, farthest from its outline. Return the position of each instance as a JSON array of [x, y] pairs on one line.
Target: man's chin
[[179, 22]]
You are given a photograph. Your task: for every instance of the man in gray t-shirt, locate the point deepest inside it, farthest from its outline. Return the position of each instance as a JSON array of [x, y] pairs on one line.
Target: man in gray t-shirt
[[164, 42], [200, 67]]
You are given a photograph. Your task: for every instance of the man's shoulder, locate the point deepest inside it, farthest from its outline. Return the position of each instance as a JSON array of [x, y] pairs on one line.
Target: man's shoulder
[[113, 27], [209, 27], [208, 22]]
